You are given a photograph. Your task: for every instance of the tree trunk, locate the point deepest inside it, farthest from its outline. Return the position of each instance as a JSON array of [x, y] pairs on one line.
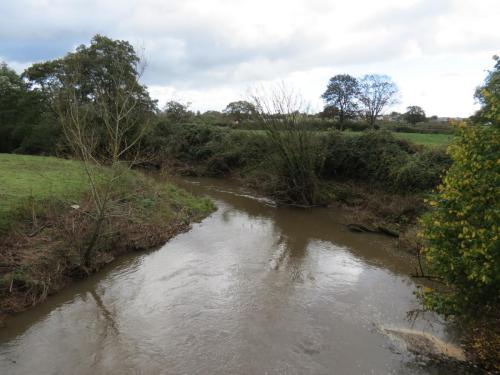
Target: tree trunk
[[372, 121]]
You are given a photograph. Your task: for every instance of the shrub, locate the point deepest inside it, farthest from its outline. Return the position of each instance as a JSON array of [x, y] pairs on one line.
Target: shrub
[[414, 175], [462, 229], [184, 142], [356, 126], [375, 156], [382, 159], [296, 156]]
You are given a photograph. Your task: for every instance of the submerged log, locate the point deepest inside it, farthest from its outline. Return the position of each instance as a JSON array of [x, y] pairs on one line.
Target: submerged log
[[361, 228], [388, 232]]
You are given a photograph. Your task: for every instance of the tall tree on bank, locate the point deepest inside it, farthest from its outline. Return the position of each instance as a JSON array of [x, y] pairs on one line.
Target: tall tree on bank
[[103, 78], [376, 92], [104, 112], [341, 94]]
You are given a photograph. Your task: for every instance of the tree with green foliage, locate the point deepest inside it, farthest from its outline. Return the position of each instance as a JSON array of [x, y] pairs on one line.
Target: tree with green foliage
[[20, 109], [329, 112], [240, 110], [102, 78], [489, 96], [177, 112], [462, 229], [414, 114], [376, 92], [341, 94]]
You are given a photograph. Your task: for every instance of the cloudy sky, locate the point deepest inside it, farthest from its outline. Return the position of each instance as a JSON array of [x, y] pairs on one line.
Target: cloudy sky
[[210, 52]]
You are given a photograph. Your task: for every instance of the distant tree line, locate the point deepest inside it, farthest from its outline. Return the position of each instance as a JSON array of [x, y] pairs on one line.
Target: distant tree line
[[347, 97], [96, 87], [31, 104]]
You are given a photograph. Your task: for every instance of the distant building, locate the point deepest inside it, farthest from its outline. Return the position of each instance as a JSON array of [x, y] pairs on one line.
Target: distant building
[[448, 119], [393, 117], [442, 119]]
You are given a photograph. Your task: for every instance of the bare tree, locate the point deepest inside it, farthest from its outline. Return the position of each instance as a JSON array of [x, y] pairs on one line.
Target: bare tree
[[282, 111], [376, 92]]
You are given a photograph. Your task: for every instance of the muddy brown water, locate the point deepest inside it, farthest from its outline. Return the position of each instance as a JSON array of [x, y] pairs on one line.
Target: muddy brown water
[[252, 289]]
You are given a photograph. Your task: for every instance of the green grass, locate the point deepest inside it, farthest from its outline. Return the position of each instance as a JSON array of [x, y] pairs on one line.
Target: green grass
[[37, 178], [194, 206], [431, 140], [26, 180]]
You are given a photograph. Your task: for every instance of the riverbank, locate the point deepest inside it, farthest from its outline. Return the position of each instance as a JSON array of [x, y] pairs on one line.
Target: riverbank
[[45, 220], [380, 179]]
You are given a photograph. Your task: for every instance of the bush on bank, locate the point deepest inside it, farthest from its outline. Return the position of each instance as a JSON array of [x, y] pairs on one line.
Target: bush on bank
[[380, 158], [376, 157], [463, 227]]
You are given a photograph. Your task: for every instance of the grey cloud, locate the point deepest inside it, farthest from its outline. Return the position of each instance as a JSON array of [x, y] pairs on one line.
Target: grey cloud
[[193, 51], [396, 17]]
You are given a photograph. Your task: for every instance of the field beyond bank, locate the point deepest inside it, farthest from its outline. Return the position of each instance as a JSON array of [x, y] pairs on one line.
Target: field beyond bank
[[29, 179], [431, 140]]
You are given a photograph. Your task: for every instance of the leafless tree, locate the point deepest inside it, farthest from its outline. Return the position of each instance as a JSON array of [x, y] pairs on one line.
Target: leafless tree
[[282, 112]]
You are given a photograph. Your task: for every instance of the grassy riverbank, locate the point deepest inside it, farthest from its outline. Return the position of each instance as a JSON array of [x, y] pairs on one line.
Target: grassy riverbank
[[29, 180], [45, 210]]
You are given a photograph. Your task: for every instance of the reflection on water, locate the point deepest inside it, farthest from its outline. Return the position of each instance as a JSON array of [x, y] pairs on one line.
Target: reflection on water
[[253, 289]]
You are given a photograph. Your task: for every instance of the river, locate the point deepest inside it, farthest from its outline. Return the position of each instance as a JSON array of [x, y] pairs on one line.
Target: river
[[252, 289]]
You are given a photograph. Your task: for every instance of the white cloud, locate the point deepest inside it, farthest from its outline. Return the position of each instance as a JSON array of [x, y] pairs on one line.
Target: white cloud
[[209, 51]]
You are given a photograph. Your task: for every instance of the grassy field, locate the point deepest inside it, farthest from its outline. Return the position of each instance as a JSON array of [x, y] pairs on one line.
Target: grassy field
[[431, 140], [26, 178]]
